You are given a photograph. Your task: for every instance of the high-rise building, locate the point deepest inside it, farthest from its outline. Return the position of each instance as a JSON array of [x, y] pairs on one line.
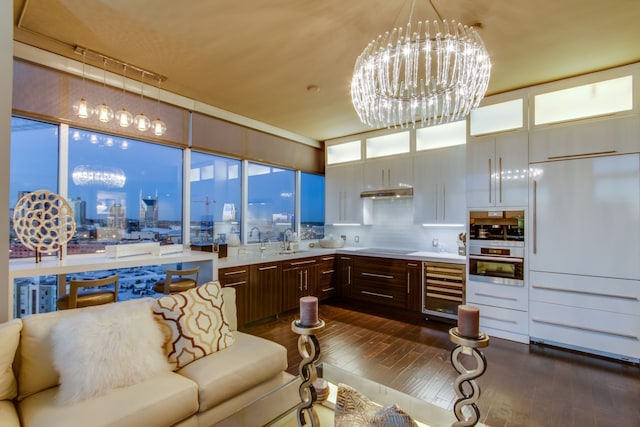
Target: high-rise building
[[79, 207], [148, 211]]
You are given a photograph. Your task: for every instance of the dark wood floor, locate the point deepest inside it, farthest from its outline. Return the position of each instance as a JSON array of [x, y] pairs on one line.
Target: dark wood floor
[[524, 385]]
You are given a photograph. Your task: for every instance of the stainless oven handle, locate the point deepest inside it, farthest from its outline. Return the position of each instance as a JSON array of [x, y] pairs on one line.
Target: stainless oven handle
[[496, 258]]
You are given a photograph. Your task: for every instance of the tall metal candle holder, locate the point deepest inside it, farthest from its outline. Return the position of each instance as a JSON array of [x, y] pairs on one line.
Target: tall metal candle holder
[[468, 346], [309, 349]]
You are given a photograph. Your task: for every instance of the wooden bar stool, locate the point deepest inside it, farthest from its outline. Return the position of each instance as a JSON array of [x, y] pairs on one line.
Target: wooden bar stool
[[97, 295], [177, 281]]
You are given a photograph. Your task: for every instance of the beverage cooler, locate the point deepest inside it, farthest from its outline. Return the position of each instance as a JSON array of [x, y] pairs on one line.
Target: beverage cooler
[[444, 288]]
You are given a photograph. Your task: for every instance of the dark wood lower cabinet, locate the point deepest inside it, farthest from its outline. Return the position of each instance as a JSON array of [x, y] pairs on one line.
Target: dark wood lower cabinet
[[380, 281], [298, 280], [238, 278], [344, 266], [326, 278], [414, 286], [265, 290]]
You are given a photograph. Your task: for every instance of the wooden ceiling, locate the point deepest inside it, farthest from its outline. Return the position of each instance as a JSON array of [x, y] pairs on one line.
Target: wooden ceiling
[[259, 58]]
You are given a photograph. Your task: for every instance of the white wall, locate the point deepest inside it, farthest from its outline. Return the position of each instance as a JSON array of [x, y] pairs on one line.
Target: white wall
[[6, 85]]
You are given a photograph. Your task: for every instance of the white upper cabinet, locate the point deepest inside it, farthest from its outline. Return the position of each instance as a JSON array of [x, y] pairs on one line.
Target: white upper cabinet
[[388, 172], [497, 170], [343, 185], [439, 186], [387, 164]]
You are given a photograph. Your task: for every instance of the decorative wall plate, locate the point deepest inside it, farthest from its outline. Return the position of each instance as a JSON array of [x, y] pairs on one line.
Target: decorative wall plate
[[43, 221]]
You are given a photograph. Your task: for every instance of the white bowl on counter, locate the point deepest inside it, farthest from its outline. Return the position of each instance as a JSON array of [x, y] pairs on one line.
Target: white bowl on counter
[[331, 243]]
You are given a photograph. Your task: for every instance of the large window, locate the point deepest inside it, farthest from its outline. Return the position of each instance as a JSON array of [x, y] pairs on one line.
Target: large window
[[311, 206], [216, 208], [123, 190], [271, 202], [34, 166]]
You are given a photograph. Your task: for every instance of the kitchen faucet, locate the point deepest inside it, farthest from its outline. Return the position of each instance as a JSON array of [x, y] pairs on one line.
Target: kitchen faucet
[[286, 245], [259, 233]]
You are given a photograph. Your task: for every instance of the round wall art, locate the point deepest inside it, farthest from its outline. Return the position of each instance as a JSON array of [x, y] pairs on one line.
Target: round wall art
[[43, 221]]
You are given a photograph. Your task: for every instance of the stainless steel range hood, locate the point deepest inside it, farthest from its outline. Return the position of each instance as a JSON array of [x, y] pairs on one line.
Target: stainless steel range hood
[[392, 192]]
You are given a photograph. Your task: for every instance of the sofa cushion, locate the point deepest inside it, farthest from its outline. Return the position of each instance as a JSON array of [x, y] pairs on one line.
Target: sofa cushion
[[247, 363], [194, 323], [10, 338], [36, 369], [8, 414], [95, 352], [162, 400]]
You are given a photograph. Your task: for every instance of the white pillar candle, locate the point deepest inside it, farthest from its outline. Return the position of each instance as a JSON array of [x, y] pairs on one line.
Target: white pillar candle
[[308, 311], [468, 321]]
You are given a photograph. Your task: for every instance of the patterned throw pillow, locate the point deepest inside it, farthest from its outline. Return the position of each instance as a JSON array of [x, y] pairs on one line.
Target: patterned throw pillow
[[194, 323]]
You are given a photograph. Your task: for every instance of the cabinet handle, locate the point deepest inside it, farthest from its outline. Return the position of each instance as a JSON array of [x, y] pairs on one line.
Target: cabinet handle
[[489, 180], [382, 276], [495, 296], [499, 319], [444, 202], [382, 177], [231, 273], [500, 177], [583, 328], [389, 177], [572, 156], [435, 205], [300, 281], [412, 264], [597, 294], [408, 282], [271, 267], [327, 289], [230, 285], [311, 261], [306, 280], [534, 202], [375, 294], [327, 272], [349, 275], [329, 258]]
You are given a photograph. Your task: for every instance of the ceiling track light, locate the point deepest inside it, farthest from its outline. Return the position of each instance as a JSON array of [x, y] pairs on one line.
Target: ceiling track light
[[142, 122], [158, 126], [433, 75], [123, 117], [81, 107], [103, 111]]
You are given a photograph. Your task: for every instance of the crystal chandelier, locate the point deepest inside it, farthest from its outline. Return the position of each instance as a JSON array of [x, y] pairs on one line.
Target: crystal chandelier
[[105, 176], [435, 74]]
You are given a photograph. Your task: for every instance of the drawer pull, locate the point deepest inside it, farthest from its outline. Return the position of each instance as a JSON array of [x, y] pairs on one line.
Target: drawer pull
[[327, 289], [311, 261], [271, 267], [327, 272], [498, 319], [231, 273], [495, 296], [583, 328], [375, 294], [382, 276], [597, 294], [329, 258], [229, 285]]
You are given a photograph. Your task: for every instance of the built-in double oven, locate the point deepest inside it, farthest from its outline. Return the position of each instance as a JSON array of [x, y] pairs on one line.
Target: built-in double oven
[[496, 246]]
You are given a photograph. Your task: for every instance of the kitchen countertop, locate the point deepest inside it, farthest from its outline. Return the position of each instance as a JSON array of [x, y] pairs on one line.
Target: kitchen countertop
[[251, 256]]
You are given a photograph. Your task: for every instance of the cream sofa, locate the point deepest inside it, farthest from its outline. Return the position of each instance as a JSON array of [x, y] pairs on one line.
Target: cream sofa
[[243, 384]]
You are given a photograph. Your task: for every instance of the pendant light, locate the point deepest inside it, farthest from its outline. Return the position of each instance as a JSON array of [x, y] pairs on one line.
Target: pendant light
[[123, 117], [158, 126], [142, 122], [81, 107], [103, 111]]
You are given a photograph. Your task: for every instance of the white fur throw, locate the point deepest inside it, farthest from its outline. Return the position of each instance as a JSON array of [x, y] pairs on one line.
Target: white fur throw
[[99, 350]]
